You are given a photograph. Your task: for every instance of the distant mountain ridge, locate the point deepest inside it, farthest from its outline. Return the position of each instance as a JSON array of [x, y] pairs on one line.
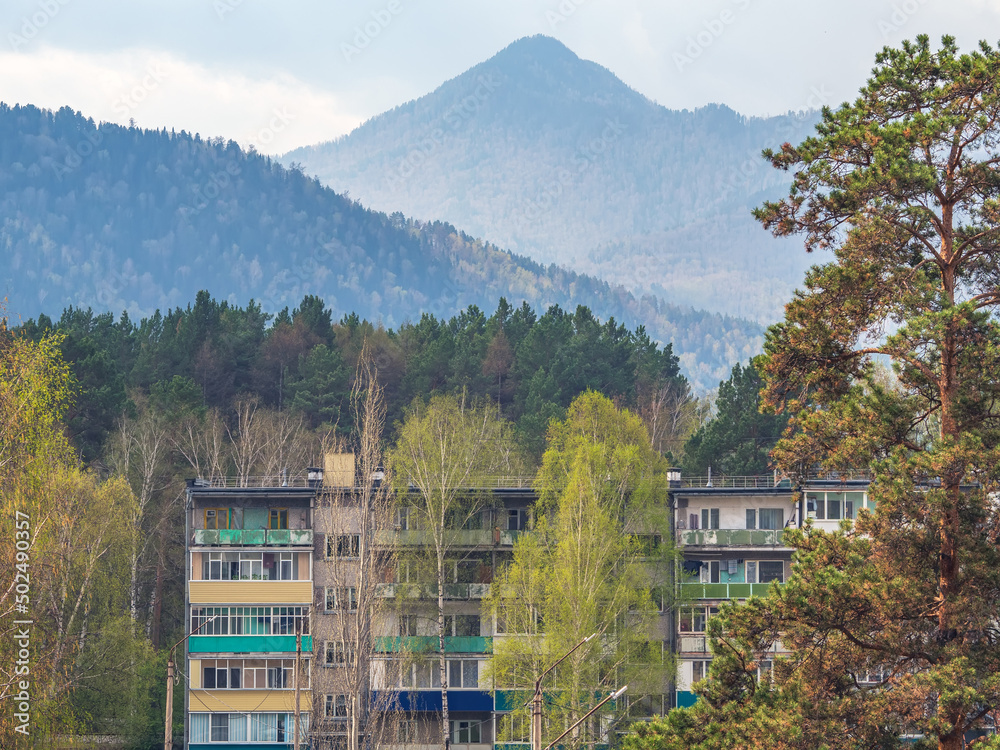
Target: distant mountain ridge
[[119, 218], [555, 158]]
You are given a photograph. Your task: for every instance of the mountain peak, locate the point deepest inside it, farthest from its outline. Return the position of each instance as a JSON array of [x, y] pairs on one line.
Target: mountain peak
[[538, 46]]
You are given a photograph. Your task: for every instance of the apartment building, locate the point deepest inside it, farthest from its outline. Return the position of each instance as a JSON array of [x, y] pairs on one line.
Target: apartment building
[[731, 536], [249, 589], [315, 590], [396, 674]]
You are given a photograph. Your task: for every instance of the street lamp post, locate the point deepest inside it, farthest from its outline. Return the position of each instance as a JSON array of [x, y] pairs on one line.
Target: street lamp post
[[168, 730], [618, 693], [536, 700]]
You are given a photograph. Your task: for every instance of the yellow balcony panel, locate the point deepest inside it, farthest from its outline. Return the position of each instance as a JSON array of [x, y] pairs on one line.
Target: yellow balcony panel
[[251, 592], [249, 700]]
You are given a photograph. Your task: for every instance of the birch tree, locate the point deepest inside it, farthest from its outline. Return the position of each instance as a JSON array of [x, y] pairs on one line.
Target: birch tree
[[448, 451]]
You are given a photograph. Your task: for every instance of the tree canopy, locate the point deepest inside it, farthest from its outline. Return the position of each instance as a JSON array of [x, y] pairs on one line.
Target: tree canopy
[[891, 625]]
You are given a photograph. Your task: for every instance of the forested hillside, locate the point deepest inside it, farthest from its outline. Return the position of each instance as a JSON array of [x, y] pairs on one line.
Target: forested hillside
[[116, 218], [555, 158], [211, 354]]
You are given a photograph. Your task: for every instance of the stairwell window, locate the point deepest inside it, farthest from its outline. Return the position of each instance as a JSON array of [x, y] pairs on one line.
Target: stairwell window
[[343, 545], [341, 598], [335, 706], [339, 654]]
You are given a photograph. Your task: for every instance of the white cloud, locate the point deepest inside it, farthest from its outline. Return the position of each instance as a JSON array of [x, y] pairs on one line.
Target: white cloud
[[157, 89]]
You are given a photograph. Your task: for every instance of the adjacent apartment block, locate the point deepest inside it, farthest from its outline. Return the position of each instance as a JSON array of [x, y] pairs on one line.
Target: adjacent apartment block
[[249, 591], [730, 534]]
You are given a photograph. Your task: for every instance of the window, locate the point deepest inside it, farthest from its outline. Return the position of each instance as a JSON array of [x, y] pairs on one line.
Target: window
[[816, 506], [772, 518], [215, 677], [343, 545], [278, 518], [517, 519], [710, 518], [407, 625], [692, 619], [462, 625], [250, 620], [834, 506], [699, 670], [466, 732], [339, 654], [710, 572], [219, 728], [463, 673], [406, 732], [336, 706], [279, 677], [216, 518], [403, 519], [751, 518], [341, 598], [771, 571], [420, 674], [751, 571]]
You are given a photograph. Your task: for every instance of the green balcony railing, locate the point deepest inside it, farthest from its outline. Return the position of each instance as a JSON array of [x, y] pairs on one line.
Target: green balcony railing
[[246, 644], [424, 590], [730, 538], [429, 644], [423, 538], [253, 537], [722, 590]]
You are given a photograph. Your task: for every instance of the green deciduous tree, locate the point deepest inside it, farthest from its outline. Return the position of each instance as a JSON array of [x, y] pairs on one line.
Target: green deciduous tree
[[892, 625], [599, 548], [449, 451]]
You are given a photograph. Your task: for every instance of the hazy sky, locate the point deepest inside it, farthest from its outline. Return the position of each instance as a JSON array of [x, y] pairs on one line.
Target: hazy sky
[[284, 74]]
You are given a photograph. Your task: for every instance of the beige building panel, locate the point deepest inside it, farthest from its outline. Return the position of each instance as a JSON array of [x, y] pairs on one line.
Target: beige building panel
[[251, 592], [195, 673], [249, 700]]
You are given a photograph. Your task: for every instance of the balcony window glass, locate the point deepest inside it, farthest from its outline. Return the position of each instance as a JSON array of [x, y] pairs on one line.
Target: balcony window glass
[[751, 566], [466, 732], [216, 518], [220, 728], [771, 571], [772, 518], [751, 518], [710, 518], [278, 518], [834, 506]]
